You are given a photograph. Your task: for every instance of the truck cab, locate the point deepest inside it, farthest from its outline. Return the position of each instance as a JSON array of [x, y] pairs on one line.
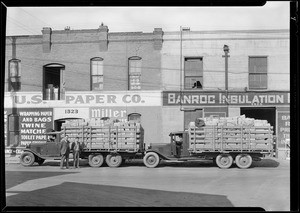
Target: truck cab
[[176, 150], [39, 152]]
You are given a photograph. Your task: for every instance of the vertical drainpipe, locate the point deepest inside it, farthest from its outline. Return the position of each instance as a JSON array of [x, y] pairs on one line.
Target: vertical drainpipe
[[14, 108]]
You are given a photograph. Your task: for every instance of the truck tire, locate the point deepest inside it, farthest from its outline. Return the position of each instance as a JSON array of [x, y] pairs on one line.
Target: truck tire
[[224, 161], [151, 159], [113, 160], [96, 160], [243, 161], [27, 159]]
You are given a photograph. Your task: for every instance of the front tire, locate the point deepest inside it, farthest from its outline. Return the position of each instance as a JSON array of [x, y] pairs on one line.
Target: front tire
[[243, 161], [96, 160], [27, 159], [113, 160], [151, 159], [224, 161]]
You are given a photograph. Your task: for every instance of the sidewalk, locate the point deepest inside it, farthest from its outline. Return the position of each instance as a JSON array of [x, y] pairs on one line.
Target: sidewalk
[[12, 159]]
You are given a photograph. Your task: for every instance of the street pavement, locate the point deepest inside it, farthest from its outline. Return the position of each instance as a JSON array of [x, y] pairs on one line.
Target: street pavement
[[189, 184]]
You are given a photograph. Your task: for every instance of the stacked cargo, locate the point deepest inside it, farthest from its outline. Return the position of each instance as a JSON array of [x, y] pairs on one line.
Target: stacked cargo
[[230, 134], [97, 134]]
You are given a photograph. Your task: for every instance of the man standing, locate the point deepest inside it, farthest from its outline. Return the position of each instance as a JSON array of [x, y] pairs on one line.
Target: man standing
[[64, 151], [76, 152]]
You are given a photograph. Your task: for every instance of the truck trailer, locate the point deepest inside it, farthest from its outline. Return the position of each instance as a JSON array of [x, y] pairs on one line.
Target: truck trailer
[[112, 142], [224, 144]]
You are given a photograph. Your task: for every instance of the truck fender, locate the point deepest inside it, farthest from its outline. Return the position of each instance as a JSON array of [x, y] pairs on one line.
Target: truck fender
[[163, 157], [33, 152]]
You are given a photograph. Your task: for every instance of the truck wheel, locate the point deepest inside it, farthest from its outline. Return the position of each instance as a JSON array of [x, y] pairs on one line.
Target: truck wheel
[[113, 160], [96, 160], [224, 161], [243, 161], [151, 159], [27, 159], [40, 161]]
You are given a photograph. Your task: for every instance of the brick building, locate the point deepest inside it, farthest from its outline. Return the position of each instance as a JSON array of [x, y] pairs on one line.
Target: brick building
[[163, 79], [193, 77], [81, 74]]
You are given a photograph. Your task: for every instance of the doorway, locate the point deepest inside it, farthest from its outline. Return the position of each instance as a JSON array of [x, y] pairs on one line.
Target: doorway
[[261, 113], [52, 81]]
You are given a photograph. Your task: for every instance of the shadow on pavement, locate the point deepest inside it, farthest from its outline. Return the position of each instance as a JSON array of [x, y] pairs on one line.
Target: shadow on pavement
[[13, 178], [265, 163], [78, 194]]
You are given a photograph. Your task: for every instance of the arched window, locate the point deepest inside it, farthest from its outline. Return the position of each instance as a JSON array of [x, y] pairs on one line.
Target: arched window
[[54, 82], [135, 72], [14, 74], [134, 117], [97, 73]]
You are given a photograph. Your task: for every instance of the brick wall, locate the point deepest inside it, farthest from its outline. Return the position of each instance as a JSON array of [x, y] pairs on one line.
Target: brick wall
[[75, 48]]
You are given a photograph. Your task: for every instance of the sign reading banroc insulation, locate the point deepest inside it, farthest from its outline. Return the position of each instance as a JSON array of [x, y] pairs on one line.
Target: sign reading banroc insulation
[[220, 98]]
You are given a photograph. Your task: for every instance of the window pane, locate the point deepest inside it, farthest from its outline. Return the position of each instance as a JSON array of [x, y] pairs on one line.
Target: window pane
[[263, 81], [193, 67], [258, 81], [13, 68], [134, 66], [134, 82], [97, 67], [258, 65], [193, 83], [97, 82]]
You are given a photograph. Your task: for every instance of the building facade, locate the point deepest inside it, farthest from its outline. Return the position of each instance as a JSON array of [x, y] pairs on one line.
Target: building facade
[[195, 83], [163, 79]]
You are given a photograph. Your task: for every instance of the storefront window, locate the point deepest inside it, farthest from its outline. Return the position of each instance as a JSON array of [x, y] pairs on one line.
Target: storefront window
[[97, 74], [135, 73]]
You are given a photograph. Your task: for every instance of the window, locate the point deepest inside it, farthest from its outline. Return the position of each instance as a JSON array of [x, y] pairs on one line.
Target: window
[[134, 117], [190, 116], [258, 72], [135, 73], [53, 82], [193, 73], [97, 74], [14, 75]]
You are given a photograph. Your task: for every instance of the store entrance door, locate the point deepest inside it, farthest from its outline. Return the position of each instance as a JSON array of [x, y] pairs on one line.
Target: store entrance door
[[262, 113]]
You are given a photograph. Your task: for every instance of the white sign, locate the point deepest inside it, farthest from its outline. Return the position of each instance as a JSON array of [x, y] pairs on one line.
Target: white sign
[[84, 99], [60, 113]]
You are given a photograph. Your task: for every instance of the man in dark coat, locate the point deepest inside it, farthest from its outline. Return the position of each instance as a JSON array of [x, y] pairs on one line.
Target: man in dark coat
[[64, 151], [76, 148]]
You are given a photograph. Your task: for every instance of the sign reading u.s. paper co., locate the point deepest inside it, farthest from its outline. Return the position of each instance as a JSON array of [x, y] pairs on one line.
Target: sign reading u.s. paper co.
[[75, 99]]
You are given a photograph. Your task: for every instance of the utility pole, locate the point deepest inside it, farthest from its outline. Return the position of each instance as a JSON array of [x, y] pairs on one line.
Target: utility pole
[[181, 72], [226, 50]]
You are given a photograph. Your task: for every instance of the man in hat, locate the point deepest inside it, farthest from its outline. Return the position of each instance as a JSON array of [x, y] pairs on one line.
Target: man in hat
[[64, 151]]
